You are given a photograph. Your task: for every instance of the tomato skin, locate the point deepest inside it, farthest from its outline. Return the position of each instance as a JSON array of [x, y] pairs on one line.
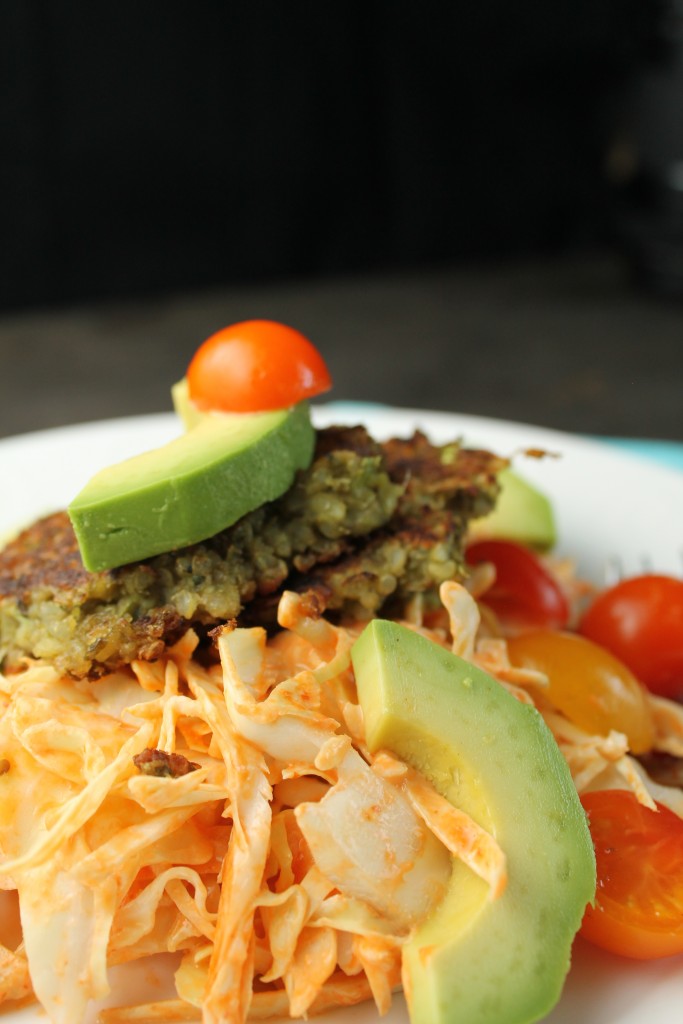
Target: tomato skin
[[641, 621], [638, 909], [524, 594], [255, 366], [587, 683]]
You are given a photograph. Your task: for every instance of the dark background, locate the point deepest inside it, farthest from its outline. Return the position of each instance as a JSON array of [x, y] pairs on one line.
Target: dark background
[[474, 193], [170, 145]]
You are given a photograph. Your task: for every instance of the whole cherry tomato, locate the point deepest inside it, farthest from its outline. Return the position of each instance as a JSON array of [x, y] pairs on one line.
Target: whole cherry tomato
[[254, 366], [638, 909], [641, 621], [587, 683], [525, 593]]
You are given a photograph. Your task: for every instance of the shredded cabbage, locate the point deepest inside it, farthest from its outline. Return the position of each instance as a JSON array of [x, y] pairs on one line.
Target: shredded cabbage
[[232, 818]]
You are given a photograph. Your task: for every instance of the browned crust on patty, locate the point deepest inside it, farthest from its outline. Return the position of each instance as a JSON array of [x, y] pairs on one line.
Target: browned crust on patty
[[405, 507], [45, 554]]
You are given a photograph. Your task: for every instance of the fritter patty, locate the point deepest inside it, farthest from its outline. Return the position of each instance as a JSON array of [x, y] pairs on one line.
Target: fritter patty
[[365, 522]]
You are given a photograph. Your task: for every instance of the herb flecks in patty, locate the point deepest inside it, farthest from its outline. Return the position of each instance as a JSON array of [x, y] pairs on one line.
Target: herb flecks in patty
[[364, 523]]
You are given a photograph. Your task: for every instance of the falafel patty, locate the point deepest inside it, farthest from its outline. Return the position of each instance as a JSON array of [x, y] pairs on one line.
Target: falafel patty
[[365, 523]]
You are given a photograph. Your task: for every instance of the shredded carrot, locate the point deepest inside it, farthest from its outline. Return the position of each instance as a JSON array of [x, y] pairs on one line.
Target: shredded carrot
[[286, 871]]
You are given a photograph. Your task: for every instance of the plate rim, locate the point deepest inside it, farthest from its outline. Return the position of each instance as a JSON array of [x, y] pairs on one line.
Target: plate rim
[[599, 446]]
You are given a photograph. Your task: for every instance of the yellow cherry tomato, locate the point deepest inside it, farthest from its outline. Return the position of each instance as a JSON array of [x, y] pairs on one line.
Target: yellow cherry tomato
[[588, 684]]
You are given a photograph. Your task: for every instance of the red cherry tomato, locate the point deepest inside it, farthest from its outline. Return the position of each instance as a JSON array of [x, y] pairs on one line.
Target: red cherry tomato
[[254, 366], [638, 908], [641, 621], [525, 593]]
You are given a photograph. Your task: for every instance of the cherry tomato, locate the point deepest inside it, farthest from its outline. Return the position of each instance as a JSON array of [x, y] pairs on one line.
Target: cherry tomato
[[588, 684], [254, 366], [525, 593], [638, 909], [641, 621]]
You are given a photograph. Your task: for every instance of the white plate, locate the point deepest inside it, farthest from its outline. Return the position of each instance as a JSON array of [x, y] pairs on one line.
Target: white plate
[[608, 504]]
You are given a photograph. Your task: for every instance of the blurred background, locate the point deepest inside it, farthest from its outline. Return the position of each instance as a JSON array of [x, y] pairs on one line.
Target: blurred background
[[475, 208]]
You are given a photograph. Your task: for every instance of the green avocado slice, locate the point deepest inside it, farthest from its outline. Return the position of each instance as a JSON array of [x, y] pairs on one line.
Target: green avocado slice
[[476, 959], [184, 406], [522, 513], [203, 481]]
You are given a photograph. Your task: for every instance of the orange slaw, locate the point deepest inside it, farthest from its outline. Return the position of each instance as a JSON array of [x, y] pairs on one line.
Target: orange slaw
[[284, 867]]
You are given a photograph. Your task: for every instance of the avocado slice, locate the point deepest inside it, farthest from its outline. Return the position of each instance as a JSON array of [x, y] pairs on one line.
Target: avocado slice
[[184, 406], [522, 513], [201, 482], [478, 959]]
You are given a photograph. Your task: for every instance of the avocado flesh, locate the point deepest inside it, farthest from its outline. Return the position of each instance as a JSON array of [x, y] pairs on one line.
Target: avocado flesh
[[184, 406], [522, 513], [478, 959], [201, 482]]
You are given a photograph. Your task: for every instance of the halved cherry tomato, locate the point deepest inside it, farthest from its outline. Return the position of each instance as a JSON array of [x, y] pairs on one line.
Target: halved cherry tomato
[[524, 593], [641, 621], [638, 909], [587, 683], [254, 366]]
